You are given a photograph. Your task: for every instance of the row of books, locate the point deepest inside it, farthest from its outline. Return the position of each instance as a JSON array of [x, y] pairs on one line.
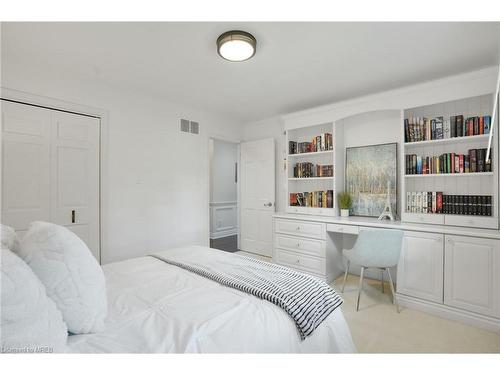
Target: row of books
[[321, 199], [323, 142], [419, 129], [438, 203], [472, 162], [306, 169]]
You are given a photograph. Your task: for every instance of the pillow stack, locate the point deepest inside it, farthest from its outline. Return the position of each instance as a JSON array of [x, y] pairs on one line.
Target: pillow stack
[[31, 321], [73, 283]]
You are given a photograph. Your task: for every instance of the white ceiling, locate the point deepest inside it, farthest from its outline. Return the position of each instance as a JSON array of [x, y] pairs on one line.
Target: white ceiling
[[297, 65]]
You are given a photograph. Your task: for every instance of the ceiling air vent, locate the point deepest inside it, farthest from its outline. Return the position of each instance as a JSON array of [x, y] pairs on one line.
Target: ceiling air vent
[[195, 127], [184, 125]]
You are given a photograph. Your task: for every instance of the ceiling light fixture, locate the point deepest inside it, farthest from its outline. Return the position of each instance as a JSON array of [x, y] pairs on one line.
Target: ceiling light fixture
[[236, 45]]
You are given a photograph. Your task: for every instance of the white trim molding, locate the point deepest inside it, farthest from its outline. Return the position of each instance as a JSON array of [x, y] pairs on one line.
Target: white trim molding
[[224, 219]]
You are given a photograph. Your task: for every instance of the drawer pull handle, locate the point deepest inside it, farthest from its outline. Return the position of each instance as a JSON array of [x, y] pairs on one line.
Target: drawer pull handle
[[298, 260], [298, 228], [298, 244]]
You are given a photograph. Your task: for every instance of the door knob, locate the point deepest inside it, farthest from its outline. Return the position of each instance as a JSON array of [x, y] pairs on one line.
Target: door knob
[[269, 204]]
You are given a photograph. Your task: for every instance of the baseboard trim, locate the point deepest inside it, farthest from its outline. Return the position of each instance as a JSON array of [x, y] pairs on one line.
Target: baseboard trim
[[451, 313]]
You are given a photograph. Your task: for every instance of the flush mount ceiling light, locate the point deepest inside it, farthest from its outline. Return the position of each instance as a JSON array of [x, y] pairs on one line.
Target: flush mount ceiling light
[[236, 45]]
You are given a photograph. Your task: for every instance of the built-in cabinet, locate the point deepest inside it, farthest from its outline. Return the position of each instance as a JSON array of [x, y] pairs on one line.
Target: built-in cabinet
[[304, 245], [445, 270], [449, 260], [457, 271], [314, 192], [461, 189], [420, 268], [471, 274]]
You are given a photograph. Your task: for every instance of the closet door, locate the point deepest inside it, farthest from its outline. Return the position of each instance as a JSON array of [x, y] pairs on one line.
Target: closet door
[[75, 175], [50, 170], [25, 165]]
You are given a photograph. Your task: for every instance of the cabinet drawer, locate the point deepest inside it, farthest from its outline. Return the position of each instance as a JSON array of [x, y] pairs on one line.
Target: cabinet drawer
[[301, 262], [423, 218], [301, 245], [472, 221], [340, 228], [300, 228]]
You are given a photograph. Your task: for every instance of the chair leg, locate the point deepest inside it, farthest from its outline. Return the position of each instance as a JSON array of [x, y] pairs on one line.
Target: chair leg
[[345, 275], [392, 290], [360, 287], [382, 278]]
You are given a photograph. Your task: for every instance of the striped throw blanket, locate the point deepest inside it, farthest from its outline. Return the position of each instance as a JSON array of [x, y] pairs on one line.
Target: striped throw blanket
[[307, 299]]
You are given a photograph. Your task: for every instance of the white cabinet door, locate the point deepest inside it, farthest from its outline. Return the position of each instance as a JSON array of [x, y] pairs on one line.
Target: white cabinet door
[[25, 165], [420, 268], [471, 274], [257, 196], [75, 175]]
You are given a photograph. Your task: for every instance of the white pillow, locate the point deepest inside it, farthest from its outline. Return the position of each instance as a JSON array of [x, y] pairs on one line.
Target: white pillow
[[9, 238], [30, 320], [73, 278]]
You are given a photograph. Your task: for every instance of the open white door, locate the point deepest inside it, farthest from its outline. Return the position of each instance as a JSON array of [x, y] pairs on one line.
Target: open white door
[[257, 196]]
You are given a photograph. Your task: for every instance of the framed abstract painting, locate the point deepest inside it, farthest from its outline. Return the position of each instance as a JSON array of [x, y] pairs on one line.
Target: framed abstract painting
[[370, 172]]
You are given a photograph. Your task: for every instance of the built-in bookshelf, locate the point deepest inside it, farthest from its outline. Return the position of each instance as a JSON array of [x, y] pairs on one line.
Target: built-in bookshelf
[[446, 179], [313, 157]]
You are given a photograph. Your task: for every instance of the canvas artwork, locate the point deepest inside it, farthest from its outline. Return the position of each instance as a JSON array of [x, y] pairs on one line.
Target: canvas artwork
[[369, 171]]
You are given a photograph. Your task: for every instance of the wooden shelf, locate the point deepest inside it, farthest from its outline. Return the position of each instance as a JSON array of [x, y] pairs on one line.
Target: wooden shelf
[[455, 140], [473, 174], [311, 153], [309, 178]]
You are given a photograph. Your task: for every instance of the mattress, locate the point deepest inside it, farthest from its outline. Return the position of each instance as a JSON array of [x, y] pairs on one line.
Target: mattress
[[155, 307]]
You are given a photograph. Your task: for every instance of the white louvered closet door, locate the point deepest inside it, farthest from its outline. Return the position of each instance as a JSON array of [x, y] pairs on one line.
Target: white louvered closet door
[[50, 170]]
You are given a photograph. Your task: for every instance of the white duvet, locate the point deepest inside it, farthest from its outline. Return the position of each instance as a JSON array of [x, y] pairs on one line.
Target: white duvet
[[154, 307]]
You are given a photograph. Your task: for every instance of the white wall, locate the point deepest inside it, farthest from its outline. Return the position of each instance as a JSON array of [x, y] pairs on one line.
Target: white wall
[[156, 184], [224, 159], [271, 128], [223, 189]]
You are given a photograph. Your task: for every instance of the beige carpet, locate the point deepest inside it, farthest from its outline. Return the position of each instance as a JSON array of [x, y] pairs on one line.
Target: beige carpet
[[378, 328]]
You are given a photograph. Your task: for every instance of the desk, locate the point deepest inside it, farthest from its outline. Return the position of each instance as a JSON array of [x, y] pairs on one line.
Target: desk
[[450, 271]]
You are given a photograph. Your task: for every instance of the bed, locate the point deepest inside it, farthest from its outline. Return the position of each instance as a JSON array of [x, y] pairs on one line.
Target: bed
[[155, 307]]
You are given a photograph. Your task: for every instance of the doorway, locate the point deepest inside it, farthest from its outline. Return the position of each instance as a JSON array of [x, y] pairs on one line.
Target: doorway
[[224, 195]]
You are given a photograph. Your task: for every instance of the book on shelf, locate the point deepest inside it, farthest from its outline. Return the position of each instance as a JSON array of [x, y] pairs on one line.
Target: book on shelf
[[323, 142], [472, 162], [307, 170], [418, 129], [438, 203], [316, 199]]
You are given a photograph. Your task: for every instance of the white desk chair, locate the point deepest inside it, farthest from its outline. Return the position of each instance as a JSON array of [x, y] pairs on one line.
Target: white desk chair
[[375, 248]]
